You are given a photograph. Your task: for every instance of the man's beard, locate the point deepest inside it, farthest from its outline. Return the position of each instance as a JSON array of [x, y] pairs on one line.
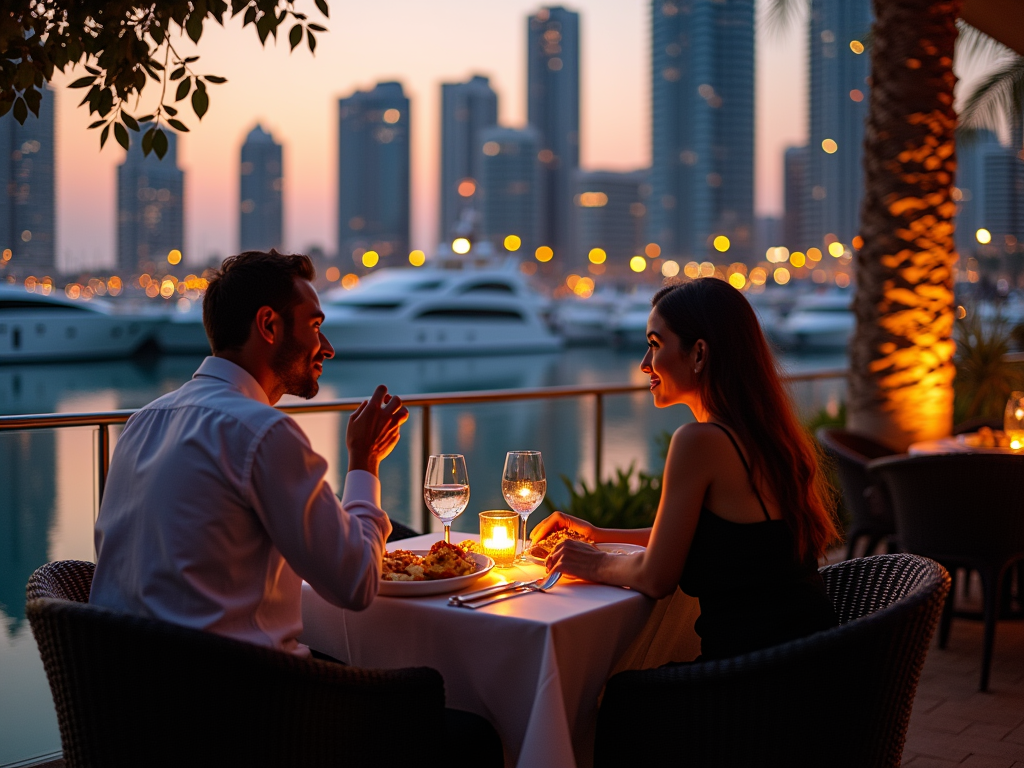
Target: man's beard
[[294, 369]]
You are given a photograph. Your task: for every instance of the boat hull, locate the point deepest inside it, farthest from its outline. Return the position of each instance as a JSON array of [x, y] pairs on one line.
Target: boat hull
[[58, 334]]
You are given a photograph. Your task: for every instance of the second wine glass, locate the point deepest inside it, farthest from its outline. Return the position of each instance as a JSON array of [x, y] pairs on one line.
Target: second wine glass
[[446, 488], [523, 484]]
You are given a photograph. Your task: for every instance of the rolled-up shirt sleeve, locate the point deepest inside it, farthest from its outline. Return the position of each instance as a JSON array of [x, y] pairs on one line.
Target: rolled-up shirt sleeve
[[336, 547]]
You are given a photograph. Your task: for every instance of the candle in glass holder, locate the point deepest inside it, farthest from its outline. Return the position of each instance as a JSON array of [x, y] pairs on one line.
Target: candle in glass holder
[[498, 535], [1013, 420]]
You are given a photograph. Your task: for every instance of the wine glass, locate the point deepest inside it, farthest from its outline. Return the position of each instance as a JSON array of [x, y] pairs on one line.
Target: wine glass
[[446, 488], [523, 484]]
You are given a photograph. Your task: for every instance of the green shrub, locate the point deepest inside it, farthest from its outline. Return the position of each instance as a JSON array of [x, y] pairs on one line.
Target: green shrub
[[984, 380], [618, 503]]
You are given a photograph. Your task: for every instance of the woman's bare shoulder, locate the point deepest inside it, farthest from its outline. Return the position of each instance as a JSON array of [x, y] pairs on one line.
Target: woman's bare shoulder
[[698, 441]]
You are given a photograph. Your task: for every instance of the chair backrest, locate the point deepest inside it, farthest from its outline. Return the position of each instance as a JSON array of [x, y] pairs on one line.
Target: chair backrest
[[957, 508], [62, 580], [851, 453], [130, 690], [841, 697]]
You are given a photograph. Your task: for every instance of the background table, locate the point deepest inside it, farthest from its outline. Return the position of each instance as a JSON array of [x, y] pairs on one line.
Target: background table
[[951, 445], [533, 665]]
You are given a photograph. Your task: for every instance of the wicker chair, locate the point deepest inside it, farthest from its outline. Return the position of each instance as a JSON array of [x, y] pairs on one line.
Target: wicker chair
[[965, 511], [132, 691], [772, 707], [869, 509]]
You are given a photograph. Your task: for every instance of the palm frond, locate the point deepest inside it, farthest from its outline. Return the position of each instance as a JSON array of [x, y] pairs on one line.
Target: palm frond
[[974, 47], [780, 16], [999, 97]]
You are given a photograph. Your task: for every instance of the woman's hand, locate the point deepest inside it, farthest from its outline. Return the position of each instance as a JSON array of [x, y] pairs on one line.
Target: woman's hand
[[556, 521], [577, 559]]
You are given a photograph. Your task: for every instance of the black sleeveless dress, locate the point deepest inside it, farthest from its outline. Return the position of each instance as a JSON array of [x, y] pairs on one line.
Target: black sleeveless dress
[[753, 591]]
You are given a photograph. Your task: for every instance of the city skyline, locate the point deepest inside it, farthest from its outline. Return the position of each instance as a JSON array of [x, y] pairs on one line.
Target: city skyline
[[292, 97], [261, 192]]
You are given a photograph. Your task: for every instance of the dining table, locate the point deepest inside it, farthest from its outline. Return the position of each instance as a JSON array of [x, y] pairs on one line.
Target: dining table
[[534, 665], [955, 444]]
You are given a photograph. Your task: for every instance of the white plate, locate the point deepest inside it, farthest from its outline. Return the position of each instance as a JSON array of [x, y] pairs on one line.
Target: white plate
[[437, 586], [609, 547]]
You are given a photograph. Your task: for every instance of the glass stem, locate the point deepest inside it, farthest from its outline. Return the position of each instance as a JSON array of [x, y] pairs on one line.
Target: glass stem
[[524, 519], [447, 534]]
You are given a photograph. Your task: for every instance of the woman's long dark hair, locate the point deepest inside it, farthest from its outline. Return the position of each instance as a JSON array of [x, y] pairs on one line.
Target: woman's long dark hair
[[740, 386]]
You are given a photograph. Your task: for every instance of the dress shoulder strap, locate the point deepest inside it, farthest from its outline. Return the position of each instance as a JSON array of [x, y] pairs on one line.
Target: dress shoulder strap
[[746, 466]]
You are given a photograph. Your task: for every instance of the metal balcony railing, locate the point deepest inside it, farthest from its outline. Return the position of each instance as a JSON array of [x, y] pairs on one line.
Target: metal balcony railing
[[103, 420]]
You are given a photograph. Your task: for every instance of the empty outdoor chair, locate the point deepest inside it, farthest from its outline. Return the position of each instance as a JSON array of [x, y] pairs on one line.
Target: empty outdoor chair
[[401, 531], [966, 511], [133, 691], [841, 697], [868, 508]]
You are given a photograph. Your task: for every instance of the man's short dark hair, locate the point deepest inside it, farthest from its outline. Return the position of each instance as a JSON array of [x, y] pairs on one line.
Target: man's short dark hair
[[242, 285]]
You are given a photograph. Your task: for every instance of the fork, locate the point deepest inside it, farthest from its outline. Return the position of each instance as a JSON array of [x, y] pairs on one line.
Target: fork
[[549, 582]]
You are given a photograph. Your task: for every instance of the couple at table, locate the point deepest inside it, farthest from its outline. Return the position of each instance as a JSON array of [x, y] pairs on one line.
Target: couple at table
[[217, 506]]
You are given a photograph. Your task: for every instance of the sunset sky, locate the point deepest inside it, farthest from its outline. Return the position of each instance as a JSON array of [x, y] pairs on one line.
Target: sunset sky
[[421, 44]]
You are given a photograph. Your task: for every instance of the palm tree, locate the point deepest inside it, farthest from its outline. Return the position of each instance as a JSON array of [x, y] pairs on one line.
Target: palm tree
[[901, 356]]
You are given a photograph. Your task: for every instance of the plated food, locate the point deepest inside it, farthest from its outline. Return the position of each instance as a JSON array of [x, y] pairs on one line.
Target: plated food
[[444, 568], [443, 561], [985, 437], [545, 546]]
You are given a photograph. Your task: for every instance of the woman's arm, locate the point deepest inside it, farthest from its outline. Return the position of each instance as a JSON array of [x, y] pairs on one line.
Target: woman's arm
[[558, 520], [656, 571]]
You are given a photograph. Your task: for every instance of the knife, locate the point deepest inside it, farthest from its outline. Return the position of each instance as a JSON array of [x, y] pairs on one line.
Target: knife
[[490, 591], [496, 599]]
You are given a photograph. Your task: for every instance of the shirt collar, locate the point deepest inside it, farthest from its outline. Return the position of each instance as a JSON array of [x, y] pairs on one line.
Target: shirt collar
[[225, 370]]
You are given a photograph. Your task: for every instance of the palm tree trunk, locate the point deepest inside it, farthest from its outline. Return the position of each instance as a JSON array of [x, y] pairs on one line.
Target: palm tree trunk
[[901, 357]]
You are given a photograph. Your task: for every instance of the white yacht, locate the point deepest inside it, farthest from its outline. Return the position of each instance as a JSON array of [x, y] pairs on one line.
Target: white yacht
[[627, 324], [585, 321], [453, 306], [36, 327], [818, 321], [182, 333]]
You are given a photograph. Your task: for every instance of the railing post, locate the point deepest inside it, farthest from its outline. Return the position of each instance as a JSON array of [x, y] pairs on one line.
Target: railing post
[[598, 432], [425, 516], [102, 461]]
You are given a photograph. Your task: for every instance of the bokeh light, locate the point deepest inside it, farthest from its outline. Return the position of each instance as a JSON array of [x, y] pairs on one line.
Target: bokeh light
[[758, 276], [736, 280], [857, 46], [512, 243], [781, 275], [983, 236], [670, 268], [721, 243], [461, 245], [797, 259], [597, 256], [829, 145], [836, 249], [544, 254], [174, 256], [814, 254], [842, 280], [417, 258], [467, 187], [370, 259], [692, 269], [638, 263], [333, 274], [653, 250]]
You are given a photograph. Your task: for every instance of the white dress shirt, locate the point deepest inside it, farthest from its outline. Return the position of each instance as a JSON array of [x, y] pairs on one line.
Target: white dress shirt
[[216, 508]]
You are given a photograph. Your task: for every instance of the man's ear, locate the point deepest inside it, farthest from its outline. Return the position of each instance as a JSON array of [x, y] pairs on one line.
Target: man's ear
[[267, 324]]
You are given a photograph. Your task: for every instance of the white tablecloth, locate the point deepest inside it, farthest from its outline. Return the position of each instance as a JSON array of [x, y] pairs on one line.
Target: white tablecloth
[[533, 665], [952, 445]]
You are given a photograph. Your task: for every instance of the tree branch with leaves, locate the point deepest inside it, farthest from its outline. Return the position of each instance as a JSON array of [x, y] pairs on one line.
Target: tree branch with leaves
[[125, 45]]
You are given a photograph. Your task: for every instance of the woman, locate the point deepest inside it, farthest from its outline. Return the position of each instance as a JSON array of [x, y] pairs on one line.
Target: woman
[[743, 516]]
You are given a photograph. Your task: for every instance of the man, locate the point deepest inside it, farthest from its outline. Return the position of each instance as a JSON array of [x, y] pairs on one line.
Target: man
[[216, 505]]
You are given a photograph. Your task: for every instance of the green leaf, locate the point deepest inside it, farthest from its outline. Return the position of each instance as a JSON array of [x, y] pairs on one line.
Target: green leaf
[[83, 82], [194, 23], [312, 42], [157, 33], [121, 134], [147, 141], [250, 16], [106, 102], [190, 59], [183, 88], [216, 79], [200, 102], [295, 36], [103, 136], [178, 73], [160, 143], [33, 98], [97, 124], [322, 5], [146, 118], [177, 125], [20, 110], [93, 70], [169, 109], [317, 28], [129, 121]]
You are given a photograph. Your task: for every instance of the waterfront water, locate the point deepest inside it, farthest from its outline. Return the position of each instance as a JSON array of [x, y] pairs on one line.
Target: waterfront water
[[47, 493]]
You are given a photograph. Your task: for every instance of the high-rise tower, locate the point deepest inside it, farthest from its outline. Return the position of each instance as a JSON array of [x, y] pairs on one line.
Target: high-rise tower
[[837, 108], [260, 221], [553, 109], [510, 187], [702, 174], [373, 175], [27, 221], [466, 109], [150, 207]]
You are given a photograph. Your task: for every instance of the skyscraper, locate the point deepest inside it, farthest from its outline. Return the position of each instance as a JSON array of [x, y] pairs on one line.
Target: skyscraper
[[27, 221], [702, 69], [466, 109], [261, 225], [794, 173], [553, 109], [970, 188], [610, 215], [510, 186], [837, 108], [373, 175], [1004, 196], [150, 207]]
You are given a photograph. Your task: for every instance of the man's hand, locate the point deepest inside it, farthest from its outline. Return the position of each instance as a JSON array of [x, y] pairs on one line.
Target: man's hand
[[373, 430]]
